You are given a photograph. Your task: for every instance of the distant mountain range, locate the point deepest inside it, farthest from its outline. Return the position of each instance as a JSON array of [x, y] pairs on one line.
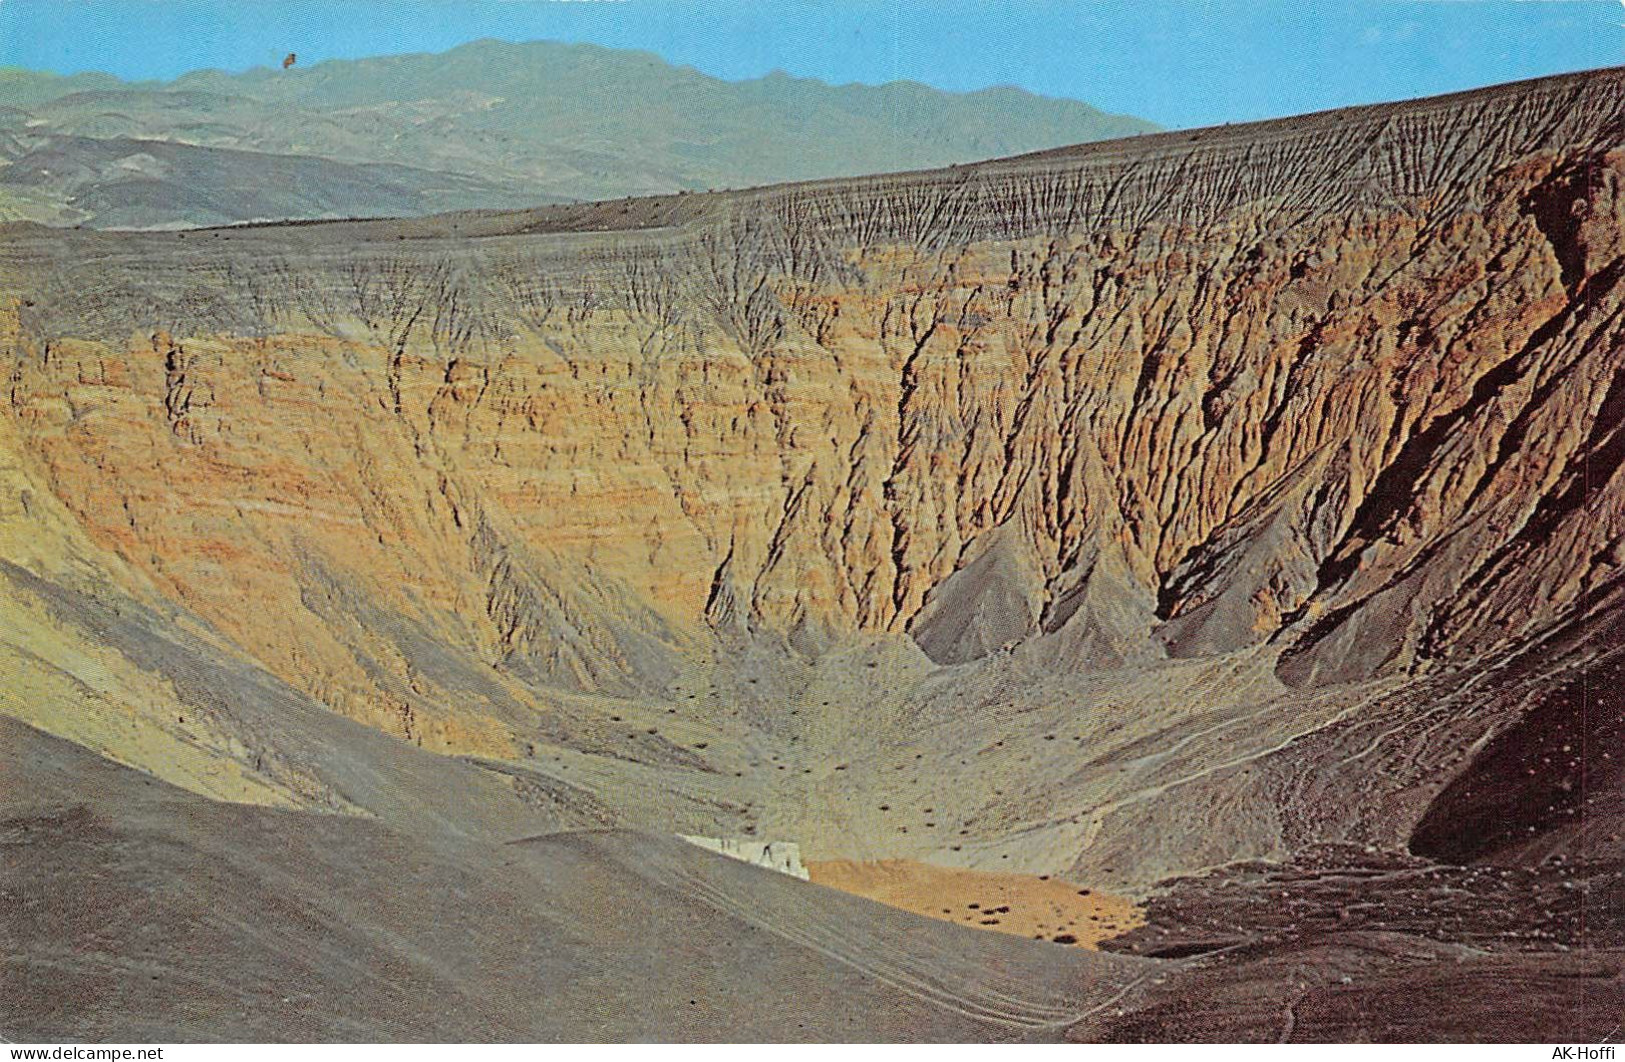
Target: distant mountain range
[[487, 124]]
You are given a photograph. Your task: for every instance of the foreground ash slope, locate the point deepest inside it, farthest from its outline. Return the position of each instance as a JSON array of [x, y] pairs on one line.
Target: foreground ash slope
[[152, 913], [1120, 512]]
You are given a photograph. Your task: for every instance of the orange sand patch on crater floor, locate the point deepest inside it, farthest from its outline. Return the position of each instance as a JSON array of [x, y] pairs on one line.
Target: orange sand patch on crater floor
[[1042, 907]]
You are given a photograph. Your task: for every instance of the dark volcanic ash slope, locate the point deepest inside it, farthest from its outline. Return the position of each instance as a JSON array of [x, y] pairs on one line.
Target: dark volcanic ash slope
[[1125, 511], [150, 913]]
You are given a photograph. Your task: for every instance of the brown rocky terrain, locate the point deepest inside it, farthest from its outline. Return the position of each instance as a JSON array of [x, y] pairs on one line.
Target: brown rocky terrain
[[1119, 513]]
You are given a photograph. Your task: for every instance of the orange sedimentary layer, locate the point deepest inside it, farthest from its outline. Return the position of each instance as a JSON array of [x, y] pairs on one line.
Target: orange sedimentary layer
[[1044, 908]]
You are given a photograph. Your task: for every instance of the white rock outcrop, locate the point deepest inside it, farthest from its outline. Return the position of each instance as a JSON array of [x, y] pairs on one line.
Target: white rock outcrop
[[782, 856]]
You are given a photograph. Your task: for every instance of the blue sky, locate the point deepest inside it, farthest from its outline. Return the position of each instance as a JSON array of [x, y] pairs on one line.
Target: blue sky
[[1178, 62]]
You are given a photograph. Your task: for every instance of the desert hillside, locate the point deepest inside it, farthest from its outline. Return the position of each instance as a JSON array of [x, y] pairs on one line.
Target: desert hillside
[[486, 124]]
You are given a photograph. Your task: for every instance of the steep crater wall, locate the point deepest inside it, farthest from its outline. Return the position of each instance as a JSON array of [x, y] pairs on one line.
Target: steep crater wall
[[1348, 388]]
